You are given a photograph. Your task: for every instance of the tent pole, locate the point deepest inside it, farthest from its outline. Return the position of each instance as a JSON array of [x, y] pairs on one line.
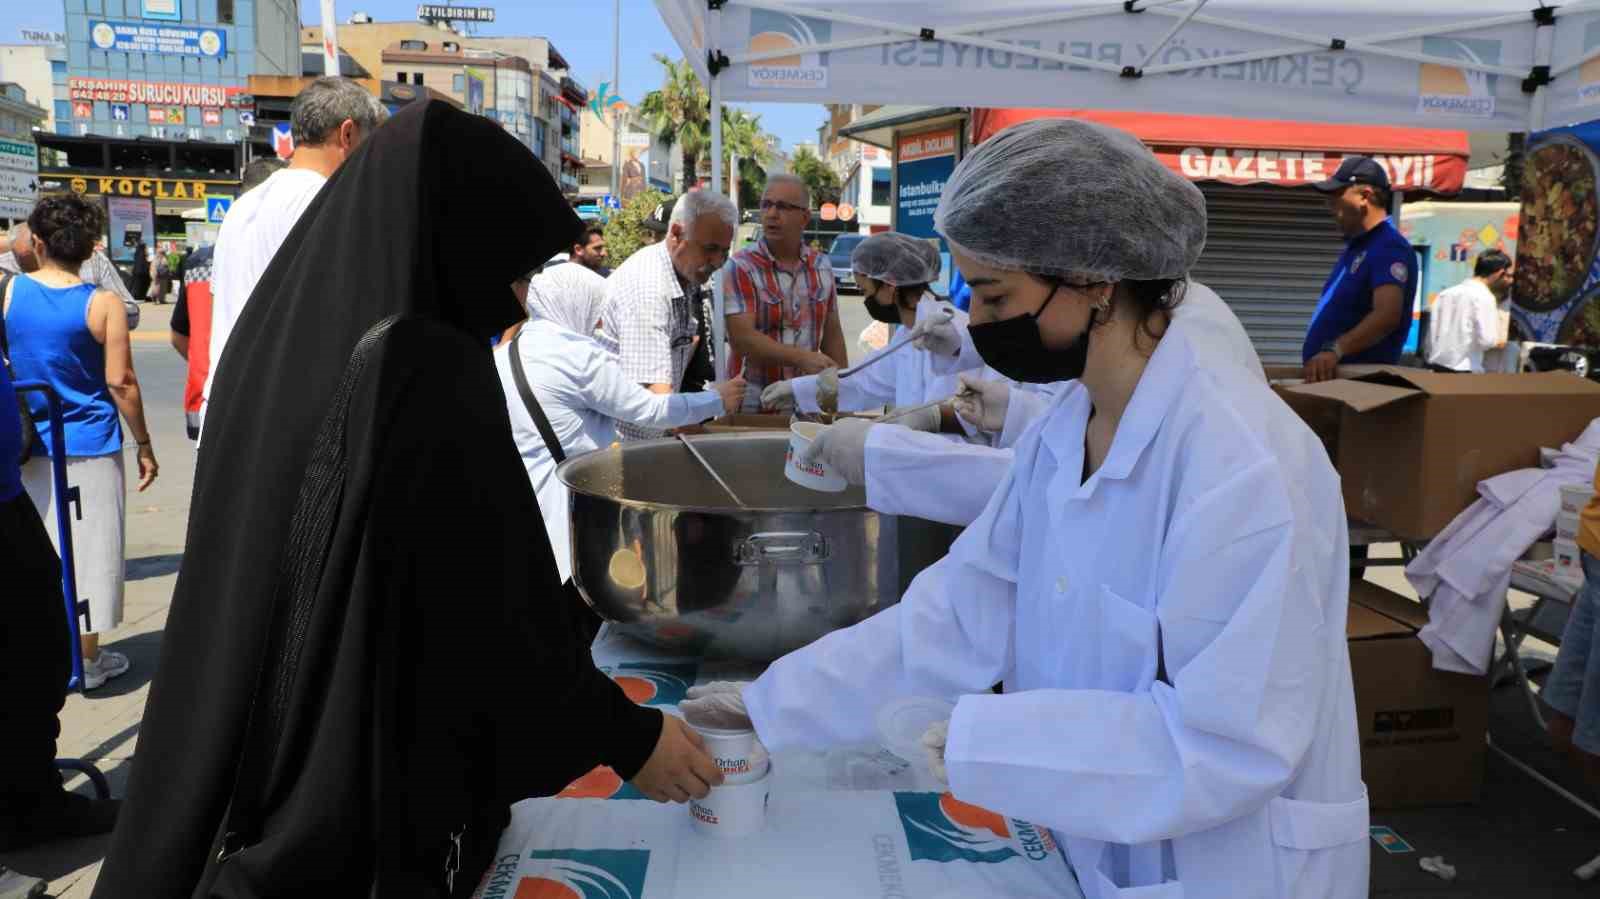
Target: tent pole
[[719, 349], [716, 134], [1544, 40]]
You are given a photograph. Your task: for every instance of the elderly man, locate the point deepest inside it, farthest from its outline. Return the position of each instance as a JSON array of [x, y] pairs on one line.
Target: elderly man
[[97, 270], [649, 315], [329, 119], [781, 307]]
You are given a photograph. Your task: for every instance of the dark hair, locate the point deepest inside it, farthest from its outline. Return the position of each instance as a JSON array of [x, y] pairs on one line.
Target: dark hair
[[589, 232], [68, 225], [909, 295], [1151, 299], [258, 171], [1491, 262]]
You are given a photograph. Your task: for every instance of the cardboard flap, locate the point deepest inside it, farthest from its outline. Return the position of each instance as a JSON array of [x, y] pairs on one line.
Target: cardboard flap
[[1355, 395], [1403, 611], [1364, 624]]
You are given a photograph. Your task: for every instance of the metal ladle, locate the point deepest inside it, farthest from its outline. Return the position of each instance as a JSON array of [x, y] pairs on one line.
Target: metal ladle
[[845, 373], [712, 471]]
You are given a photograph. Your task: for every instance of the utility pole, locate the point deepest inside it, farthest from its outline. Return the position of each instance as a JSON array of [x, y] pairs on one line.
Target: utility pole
[[616, 91]]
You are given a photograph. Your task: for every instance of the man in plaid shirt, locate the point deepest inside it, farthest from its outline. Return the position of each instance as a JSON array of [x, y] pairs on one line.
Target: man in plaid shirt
[[780, 303], [648, 318]]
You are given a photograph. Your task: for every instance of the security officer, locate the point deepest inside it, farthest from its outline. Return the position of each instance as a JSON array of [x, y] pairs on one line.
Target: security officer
[[1365, 310]]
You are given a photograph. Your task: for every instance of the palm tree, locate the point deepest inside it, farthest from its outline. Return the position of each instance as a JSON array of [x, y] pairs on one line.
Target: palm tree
[[744, 140], [680, 113]]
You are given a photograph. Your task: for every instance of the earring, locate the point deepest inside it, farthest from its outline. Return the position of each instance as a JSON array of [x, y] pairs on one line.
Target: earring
[[1102, 304]]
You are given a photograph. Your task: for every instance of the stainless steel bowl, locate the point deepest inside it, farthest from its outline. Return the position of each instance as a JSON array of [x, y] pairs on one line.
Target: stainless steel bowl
[[659, 549]]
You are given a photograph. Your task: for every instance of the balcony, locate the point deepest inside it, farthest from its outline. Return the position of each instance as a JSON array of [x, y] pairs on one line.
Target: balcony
[[574, 91]]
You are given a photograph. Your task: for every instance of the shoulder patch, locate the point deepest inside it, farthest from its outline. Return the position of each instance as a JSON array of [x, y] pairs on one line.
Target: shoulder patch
[[1399, 271]]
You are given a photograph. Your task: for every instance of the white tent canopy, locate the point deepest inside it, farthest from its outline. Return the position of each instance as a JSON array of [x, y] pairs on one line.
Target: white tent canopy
[[1490, 65]]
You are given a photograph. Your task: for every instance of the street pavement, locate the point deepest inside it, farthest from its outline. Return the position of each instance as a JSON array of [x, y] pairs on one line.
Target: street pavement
[[1520, 839]]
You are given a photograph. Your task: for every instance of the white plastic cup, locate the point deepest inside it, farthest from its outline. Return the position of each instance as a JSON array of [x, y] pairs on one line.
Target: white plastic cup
[[1567, 558], [735, 753], [812, 475], [1575, 496], [1567, 525], [732, 810]]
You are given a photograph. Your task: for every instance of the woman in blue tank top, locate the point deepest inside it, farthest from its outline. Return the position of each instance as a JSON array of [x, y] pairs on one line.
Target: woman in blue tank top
[[74, 337]]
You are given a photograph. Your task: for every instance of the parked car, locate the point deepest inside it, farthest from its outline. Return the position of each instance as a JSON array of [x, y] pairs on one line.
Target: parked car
[[839, 258]]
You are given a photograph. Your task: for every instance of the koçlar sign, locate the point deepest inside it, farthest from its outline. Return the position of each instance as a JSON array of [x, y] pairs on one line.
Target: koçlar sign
[[456, 13]]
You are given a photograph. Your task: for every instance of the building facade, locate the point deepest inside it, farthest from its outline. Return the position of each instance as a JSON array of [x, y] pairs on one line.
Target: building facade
[[170, 69], [486, 82], [35, 67], [18, 156], [646, 160]]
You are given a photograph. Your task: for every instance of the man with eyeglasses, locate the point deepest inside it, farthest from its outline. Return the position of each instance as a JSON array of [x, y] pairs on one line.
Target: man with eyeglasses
[[652, 300], [779, 299]]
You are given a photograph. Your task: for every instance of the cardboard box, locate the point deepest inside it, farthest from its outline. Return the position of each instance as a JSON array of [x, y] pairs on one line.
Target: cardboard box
[[741, 422], [1422, 730], [1412, 445]]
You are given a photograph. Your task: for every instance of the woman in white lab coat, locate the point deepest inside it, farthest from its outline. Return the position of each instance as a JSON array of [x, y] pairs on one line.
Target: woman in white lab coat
[[581, 390], [893, 271], [1160, 581]]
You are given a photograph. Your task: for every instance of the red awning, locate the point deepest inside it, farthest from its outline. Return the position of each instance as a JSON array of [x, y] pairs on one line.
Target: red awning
[[1260, 151]]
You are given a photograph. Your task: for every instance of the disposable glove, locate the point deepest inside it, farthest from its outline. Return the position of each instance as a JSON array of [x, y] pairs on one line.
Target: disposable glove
[[717, 704], [842, 447], [779, 397], [928, 418], [983, 403], [937, 333], [933, 741], [828, 391]]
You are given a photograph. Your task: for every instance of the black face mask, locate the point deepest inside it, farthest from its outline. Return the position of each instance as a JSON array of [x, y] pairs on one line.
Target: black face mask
[[889, 315], [1015, 348]]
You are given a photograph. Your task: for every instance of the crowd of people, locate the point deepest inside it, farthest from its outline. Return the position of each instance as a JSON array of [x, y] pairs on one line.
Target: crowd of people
[[1152, 537]]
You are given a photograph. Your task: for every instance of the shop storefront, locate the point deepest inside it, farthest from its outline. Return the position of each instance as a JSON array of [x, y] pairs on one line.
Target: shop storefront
[[1270, 239]]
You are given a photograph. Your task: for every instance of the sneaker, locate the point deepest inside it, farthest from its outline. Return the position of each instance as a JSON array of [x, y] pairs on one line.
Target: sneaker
[[19, 886], [109, 665]]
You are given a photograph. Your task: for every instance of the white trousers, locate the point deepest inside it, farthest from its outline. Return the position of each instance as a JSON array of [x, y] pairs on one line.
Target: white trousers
[[98, 538]]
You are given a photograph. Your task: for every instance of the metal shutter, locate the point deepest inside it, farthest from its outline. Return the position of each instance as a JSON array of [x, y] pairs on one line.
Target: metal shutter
[[1268, 252]]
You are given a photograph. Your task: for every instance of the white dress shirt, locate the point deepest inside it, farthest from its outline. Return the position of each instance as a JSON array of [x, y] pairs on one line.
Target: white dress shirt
[[1466, 321]]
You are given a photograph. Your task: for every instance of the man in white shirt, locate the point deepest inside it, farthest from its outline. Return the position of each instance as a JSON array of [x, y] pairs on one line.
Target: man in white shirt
[[328, 121], [1466, 318]]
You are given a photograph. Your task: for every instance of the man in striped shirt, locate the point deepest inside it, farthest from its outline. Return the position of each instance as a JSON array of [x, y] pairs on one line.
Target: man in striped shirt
[[781, 307]]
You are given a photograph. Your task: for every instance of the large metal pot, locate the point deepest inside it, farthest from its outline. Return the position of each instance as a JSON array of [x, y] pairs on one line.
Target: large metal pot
[[659, 549]]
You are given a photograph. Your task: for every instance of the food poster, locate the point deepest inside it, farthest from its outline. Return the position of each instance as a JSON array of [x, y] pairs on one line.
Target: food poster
[[1558, 259], [1448, 238]]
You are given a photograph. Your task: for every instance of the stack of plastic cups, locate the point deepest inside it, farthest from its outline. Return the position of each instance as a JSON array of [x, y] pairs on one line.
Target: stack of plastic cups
[[739, 807]]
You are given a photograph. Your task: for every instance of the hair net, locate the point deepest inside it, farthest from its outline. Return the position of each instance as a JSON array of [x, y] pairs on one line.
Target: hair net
[[1069, 198], [569, 295], [899, 259]]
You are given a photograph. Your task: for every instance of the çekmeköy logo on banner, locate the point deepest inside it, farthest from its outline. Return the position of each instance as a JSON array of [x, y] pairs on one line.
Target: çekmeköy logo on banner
[[567, 874], [942, 828], [601, 783], [1446, 90], [771, 31]]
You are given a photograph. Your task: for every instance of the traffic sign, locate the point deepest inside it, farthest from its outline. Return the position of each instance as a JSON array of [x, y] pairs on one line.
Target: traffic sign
[[216, 208], [282, 140], [610, 201], [247, 119], [18, 185]]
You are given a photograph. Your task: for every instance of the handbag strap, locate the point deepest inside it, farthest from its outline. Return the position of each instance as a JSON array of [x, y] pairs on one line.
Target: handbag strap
[[316, 511], [546, 433]]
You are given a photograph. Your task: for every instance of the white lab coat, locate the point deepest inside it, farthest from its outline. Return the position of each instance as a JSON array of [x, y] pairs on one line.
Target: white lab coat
[[910, 377], [901, 464], [1466, 322], [1171, 635], [583, 392]]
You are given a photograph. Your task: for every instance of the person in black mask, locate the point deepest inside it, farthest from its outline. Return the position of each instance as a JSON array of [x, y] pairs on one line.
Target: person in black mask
[[368, 658]]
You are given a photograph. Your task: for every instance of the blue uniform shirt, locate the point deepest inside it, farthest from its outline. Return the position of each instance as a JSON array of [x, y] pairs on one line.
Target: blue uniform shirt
[[1379, 257]]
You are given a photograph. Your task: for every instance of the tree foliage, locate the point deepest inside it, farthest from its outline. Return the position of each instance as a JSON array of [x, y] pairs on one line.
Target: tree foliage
[[625, 232], [679, 113], [818, 176]]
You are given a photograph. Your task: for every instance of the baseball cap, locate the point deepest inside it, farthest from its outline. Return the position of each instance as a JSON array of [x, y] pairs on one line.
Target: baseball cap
[[1355, 170], [657, 221]]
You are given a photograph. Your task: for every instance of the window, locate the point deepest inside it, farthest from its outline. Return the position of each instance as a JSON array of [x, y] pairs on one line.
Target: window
[[58, 67], [458, 83], [417, 79], [414, 45], [880, 187], [225, 11], [63, 110], [401, 77]]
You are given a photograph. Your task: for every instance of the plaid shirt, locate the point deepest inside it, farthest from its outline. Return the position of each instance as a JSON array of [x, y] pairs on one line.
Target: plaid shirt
[[648, 321], [789, 306]]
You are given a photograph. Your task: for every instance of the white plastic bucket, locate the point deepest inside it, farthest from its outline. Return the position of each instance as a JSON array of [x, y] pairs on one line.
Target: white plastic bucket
[[731, 810], [1575, 496], [815, 475], [734, 752], [1567, 559], [1567, 525]]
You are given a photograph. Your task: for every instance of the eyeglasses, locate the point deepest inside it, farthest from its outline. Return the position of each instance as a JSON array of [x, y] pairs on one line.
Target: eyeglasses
[[781, 206]]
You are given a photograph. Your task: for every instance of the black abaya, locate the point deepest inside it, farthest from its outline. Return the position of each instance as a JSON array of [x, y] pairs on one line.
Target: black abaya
[[440, 678]]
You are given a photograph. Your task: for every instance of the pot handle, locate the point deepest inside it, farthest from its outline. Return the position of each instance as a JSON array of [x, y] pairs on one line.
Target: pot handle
[[782, 548]]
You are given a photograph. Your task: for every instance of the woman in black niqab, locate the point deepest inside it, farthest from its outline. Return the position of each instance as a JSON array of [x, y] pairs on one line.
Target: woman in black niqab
[[439, 678]]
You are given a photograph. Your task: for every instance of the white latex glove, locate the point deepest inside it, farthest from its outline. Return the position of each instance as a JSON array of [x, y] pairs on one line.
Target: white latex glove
[[933, 740], [983, 403], [937, 333], [828, 390], [929, 419], [779, 396], [717, 704], [842, 447]]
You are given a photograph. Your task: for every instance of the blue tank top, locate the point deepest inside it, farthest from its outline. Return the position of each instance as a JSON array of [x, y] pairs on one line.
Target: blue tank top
[[48, 328], [10, 441]]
